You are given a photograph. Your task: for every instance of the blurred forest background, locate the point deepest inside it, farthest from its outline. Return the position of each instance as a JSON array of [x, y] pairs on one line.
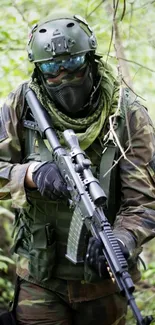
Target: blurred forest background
[[125, 32]]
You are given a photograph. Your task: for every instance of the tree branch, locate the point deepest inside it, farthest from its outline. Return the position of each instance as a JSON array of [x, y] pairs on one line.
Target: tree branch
[[87, 16], [131, 61], [20, 12]]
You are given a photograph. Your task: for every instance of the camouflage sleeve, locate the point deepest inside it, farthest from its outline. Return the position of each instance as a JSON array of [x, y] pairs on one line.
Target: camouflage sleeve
[[12, 172], [136, 216]]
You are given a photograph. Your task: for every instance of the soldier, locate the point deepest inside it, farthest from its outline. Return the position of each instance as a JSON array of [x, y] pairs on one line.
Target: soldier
[[79, 91]]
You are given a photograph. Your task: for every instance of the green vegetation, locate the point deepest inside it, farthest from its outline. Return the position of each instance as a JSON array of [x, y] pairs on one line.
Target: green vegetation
[[6, 286], [132, 55], [7, 265]]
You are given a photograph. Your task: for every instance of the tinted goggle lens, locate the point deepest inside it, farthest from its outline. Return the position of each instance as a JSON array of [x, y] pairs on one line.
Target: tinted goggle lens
[[53, 67]]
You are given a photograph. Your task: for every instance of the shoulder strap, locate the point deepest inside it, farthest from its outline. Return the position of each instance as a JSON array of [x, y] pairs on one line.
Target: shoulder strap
[[110, 180], [32, 135], [24, 104]]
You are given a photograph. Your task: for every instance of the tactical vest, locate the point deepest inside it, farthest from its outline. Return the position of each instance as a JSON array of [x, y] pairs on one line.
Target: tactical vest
[[41, 231]]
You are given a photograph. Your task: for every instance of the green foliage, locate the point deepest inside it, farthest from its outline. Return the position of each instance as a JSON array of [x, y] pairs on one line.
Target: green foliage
[[145, 289], [6, 291], [137, 36], [4, 261], [149, 274], [6, 286], [145, 301], [7, 264], [136, 33]]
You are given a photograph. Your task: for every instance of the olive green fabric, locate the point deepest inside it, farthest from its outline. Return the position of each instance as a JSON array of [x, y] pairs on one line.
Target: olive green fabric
[[40, 306], [137, 207], [87, 129], [42, 248]]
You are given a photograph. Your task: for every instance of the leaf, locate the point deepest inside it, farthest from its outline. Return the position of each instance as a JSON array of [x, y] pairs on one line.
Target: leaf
[[3, 266], [6, 259]]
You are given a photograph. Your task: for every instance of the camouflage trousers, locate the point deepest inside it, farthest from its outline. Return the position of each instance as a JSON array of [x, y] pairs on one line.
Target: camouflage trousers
[[39, 306]]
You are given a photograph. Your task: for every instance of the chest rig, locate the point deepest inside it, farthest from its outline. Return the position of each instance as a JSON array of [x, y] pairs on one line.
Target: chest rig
[[36, 148]]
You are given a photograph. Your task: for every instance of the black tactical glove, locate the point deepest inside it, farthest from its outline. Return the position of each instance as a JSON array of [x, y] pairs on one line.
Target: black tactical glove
[[49, 181], [96, 259]]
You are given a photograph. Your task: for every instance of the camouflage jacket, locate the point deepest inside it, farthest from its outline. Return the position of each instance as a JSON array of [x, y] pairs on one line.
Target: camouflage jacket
[[136, 213]]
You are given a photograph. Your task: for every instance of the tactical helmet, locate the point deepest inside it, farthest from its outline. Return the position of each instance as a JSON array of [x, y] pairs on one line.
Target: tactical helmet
[[59, 37]]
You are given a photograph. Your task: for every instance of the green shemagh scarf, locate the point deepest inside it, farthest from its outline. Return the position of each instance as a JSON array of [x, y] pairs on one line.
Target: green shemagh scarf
[[87, 129]]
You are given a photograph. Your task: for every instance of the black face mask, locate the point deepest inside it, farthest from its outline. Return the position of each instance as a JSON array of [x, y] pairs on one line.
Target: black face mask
[[72, 96]]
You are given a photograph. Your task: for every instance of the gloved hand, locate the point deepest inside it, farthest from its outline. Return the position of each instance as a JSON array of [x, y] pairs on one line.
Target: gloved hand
[[49, 181], [96, 259]]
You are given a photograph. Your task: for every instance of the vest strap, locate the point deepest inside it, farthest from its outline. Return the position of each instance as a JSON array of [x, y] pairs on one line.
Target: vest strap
[[108, 176], [107, 159]]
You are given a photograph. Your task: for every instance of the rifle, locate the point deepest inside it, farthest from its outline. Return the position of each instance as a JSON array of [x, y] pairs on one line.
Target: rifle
[[87, 200]]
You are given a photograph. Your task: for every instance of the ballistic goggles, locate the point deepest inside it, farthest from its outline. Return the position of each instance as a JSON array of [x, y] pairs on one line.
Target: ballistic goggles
[[54, 67]]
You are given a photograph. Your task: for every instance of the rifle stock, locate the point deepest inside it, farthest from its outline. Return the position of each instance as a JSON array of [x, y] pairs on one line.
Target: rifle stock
[[86, 199]]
